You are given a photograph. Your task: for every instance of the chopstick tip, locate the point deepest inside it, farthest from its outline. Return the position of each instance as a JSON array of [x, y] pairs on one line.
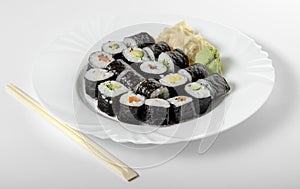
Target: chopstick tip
[[133, 177]]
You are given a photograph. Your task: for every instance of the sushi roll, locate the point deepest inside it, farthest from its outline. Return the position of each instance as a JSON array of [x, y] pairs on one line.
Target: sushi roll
[[109, 93], [181, 109], [157, 111], [217, 85], [134, 55], [140, 40], [175, 83], [152, 69], [174, 60], [201, 96], [99, 59], [117, 66], [130, 78], [93, 78], [132, 107], [194, 72], [155, 50], [150, 88], [114, 48]]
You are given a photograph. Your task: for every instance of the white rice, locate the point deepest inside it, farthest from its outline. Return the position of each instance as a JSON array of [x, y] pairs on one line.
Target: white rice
[[106, 47], [111, 93], [180, 103], [149, 53], [163, 57], [125, 99], [157, 67], [203, 92], [185, 74], [96, 63], [164, 80], [157, 102], [130, 57], [159, 91], [129, 42], [96, 74]]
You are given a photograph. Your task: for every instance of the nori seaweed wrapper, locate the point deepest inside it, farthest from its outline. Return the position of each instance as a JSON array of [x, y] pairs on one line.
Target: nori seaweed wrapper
[[159, 47], [88, 67], [142, 39], [176, 91], [109, 105], [201, 105], [131, 114], [179, 58], [181, 113], [91, 87], [156, 115], [197, 71], [92, 92], [147, 87], [117, 66], [118, 56], [136, 67], [130, 78], [217, 85]]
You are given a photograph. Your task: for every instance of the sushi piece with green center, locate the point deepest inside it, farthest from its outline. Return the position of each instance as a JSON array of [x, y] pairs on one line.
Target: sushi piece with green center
[[109, 93]]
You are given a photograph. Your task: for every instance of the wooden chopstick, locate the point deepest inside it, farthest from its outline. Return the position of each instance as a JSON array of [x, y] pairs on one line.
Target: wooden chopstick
[[111, 161]]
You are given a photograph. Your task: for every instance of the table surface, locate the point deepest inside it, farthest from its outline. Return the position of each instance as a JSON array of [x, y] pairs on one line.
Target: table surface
[[262, 152]]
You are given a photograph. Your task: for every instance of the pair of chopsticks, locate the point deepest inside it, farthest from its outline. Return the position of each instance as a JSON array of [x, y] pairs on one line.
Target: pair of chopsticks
[[111, 161]]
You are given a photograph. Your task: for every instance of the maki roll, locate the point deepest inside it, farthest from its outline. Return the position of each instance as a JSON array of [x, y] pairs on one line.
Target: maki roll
[[109, 93], [155, 50], [150, 88], [217, 85], [174, 60], [157, 111], [134, 55], [99, 59], [194, 72], [117, 66], [201, 96], [130, 78], [175, 83], [181, 109], [140, 40], [132, 107], [93, 78], [114, 48], [152, 69]]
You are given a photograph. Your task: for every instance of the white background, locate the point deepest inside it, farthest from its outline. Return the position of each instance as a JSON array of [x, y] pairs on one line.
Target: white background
[[262, 152]]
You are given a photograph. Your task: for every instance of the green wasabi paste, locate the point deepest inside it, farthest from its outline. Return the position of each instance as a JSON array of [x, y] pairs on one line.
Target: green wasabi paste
[[210, 57]]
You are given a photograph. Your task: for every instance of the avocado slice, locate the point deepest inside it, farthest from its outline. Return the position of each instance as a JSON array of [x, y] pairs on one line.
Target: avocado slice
[[113, 86], [195, 87], [166, 63], [114, 46], [137, 53]]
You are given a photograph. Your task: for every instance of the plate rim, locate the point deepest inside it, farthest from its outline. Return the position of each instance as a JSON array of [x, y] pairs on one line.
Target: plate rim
[[206, 134]]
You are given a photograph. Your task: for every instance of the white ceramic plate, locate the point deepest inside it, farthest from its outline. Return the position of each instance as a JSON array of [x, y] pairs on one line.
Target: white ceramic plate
[[247, 68]]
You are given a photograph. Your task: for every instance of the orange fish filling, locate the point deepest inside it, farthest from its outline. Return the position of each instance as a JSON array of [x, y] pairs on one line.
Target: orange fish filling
[[103, 58], [181, 98], [133, 99]]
